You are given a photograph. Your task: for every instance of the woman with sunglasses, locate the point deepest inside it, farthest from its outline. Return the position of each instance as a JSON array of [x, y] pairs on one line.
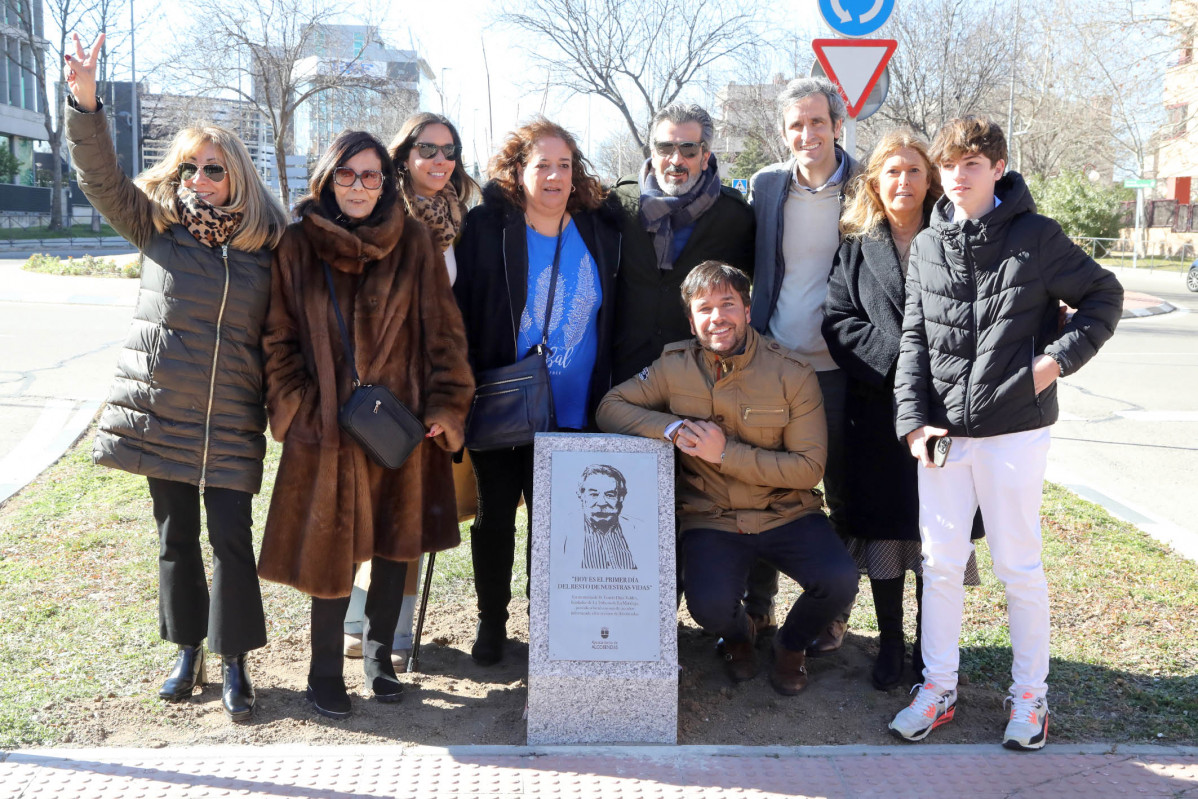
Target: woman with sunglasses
[[333, 507], [427, 153], [542, 205], [186, 407]]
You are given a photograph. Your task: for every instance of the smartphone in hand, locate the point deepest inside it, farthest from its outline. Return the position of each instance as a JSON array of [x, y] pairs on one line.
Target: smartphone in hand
[[938, 447]]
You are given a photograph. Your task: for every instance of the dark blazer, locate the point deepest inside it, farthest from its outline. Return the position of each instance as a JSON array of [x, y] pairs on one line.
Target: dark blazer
[[863, 322], [649, 312], [492, 283], [768, 190]]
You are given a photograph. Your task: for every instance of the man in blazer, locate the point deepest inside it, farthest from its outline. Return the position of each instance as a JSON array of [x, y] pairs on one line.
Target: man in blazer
[[797, 206]]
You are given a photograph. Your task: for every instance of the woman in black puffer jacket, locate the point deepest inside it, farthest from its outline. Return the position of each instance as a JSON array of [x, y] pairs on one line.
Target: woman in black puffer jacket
[[186, 408]]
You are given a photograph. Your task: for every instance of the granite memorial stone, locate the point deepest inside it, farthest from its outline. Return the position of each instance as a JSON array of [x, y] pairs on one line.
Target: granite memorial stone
[[603, 659]]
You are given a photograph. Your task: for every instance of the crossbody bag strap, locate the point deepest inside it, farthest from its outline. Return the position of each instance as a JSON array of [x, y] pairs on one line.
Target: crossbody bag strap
[[557, 256], [349, 351]]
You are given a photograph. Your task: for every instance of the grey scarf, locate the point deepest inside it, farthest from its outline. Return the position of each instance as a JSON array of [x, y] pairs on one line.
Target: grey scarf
[[662, 214]]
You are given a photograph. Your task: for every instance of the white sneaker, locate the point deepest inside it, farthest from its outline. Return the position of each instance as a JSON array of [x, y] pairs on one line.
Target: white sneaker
[[1027, 728], [930, 708]]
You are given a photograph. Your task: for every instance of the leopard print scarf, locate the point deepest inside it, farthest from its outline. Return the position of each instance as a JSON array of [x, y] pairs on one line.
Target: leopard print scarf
[[441, 214], [210, 224]]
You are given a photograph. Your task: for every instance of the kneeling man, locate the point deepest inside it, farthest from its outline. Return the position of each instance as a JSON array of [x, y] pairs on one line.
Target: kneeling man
[[748, 418]]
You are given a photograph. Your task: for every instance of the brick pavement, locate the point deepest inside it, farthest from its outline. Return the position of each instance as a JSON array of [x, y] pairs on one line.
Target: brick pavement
[[984, 772]]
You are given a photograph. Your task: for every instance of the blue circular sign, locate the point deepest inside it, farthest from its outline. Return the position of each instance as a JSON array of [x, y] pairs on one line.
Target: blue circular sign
[[855, 18]]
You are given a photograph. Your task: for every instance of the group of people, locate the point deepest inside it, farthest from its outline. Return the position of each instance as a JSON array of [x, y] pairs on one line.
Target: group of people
[[805, 351]]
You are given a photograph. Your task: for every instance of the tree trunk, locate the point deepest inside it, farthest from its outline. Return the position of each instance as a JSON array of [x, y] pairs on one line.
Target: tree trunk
[[281, 164], [57, 183]]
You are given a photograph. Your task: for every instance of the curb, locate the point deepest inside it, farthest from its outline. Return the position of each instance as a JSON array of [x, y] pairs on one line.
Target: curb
[[1153, 310], [647, 752]]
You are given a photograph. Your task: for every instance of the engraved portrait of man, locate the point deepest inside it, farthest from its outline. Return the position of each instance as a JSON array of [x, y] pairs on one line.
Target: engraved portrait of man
[[602, 490]]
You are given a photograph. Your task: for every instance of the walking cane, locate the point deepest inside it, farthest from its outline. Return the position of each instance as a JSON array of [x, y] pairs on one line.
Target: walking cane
[[414, 660]]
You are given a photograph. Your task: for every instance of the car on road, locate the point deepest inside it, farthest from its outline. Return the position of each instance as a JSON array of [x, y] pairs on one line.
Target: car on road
[[1192, 277]]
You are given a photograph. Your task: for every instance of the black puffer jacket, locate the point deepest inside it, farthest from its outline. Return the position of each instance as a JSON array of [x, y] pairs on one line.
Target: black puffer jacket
[[492, 283], [187, 401], [982, 304]]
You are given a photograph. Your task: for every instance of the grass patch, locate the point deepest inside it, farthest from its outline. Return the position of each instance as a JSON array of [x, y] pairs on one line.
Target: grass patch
[[87, 265], [78, 611], [80, 231]]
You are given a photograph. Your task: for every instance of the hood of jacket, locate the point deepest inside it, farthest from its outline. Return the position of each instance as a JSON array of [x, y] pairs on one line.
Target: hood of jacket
[[989, 229]]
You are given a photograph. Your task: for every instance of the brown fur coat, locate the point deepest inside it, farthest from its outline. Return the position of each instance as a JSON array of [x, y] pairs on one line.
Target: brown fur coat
[[332, 506]]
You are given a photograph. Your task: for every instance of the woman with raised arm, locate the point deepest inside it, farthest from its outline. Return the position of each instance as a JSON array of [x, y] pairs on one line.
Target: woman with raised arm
[[356, 267], [186, 409], [863, 320], [541, 215]]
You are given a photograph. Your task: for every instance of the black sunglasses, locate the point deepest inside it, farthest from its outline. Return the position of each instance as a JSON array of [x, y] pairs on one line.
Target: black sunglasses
[[688, 149], [371, 178], [429, 150], [188, 170]]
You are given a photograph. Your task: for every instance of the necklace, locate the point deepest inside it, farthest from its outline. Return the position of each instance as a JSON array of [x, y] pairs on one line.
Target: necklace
[[555, 228]]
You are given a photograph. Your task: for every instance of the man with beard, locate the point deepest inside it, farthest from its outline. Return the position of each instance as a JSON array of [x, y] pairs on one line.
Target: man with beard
[[674, 214], [601, 490], [747, 417]]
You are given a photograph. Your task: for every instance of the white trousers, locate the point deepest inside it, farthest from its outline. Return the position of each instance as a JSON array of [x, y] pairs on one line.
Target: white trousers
[[1004, 475]]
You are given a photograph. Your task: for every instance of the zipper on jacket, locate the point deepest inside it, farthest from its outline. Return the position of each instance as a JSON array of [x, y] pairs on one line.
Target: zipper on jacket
[[973, 320], [220, 316]]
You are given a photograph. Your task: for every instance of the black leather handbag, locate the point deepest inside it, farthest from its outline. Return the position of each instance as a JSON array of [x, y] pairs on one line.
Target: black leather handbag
[[513, 403], [373, 416]]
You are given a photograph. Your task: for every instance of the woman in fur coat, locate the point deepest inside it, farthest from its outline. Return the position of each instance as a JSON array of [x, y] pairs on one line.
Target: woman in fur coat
[[332, 506]]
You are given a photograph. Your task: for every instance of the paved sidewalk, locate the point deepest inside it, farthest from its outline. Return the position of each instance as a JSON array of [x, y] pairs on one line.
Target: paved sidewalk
[[917, 771]]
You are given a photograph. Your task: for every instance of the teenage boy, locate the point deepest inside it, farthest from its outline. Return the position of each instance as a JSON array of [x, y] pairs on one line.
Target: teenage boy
[[981, 351]]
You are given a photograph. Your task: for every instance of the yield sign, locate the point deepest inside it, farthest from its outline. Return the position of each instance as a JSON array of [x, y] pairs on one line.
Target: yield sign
[[854, 66]]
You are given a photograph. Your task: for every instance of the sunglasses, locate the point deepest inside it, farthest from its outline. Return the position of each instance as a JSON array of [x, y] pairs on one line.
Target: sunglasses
[[429, 150], [688, 149], [371, 178], [214, 172]]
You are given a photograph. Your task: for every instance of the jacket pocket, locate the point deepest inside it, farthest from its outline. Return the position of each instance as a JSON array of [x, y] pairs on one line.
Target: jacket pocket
[[762, 425]]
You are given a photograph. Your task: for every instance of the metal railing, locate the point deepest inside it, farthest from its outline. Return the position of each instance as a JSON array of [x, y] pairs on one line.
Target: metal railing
[[1151, 254]]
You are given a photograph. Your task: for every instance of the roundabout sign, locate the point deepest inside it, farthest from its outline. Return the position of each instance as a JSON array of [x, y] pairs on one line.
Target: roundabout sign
[[854, 18]]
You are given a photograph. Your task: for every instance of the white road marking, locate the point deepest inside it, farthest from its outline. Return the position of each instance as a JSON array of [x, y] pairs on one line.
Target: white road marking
[[1159, 416]]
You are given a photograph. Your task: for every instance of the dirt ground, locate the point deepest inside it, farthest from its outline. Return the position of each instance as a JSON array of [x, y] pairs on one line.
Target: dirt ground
[[454, 701]]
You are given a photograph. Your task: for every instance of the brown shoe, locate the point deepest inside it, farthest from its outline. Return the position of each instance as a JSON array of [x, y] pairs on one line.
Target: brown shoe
[[789, 674], [830, 639], [764, 624], [740, 657]]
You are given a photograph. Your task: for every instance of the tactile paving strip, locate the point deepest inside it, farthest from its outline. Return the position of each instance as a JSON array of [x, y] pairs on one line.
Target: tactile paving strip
[[611, 773]]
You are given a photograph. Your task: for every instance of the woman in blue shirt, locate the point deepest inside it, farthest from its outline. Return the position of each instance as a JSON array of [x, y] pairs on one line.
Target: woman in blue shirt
[[541, 191]]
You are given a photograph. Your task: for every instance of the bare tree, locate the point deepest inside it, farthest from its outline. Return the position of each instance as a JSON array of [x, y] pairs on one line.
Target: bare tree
[[64, 17], [953, 59], [639, 56], [618, 155], [268, 54]]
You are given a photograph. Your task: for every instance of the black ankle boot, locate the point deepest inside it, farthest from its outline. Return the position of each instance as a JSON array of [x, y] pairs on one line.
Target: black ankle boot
[[888, 668], [380, 676], [328, 696], [489, 639], [186, 675], [238, 693]]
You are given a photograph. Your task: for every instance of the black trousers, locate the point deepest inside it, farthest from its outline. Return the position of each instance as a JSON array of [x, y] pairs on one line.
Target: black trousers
[[807, 550], [502, 477], [384, 600], [230, 616]]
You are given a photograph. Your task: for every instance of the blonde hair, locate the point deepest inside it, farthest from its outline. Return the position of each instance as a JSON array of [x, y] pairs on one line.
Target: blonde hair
[[263, 217], [865, 213]]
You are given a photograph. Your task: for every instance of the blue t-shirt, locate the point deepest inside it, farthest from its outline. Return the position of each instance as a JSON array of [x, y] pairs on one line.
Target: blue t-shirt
[[573, 334]]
